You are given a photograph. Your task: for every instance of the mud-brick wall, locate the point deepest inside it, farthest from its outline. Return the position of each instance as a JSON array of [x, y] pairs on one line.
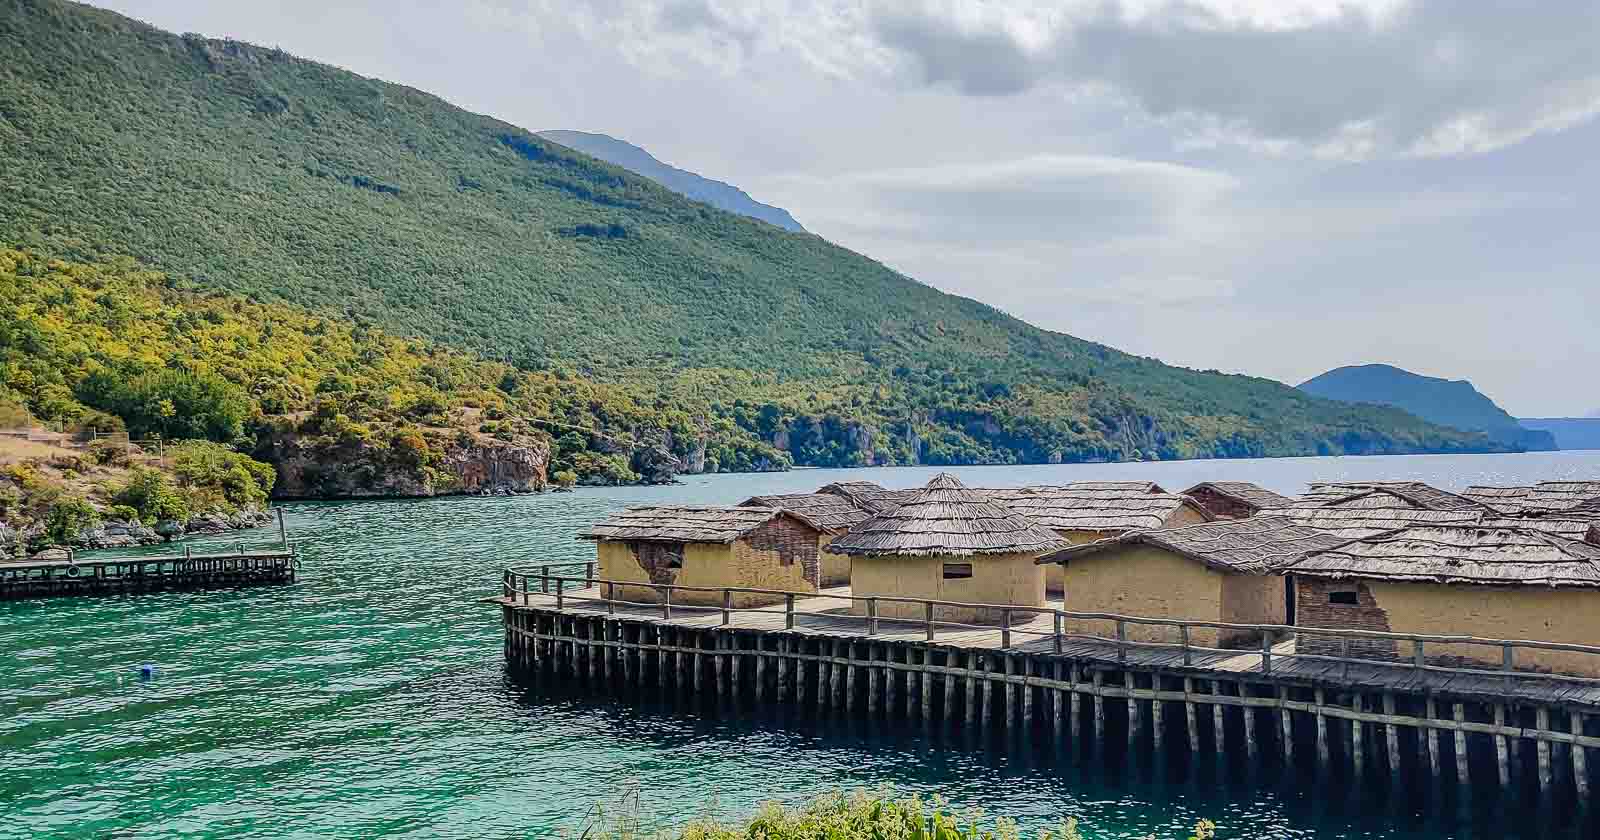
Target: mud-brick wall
[[1222, 507], [1315, 607], [781, 555]]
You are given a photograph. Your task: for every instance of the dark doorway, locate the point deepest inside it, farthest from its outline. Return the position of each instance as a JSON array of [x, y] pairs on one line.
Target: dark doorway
[[1288, 599]]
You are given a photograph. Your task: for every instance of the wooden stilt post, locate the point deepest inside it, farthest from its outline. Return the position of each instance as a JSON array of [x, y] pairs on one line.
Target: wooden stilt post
[[1358, 750], [874, 680], [1542, 717], [824, 675], [972, 688], [840, 672], [1026, 687], [949, 685], [1135, 718], [850, 669], [1462, 776], [1058, 698], [1099, 709], [1190, 721], [1392, 735], [698, 665], [1502, 755], [761, 668], [925, 679], [1286, 730], [1580, 761], [911, 689], [1158, 729], [1010, 691], [891, 676], [1219, 725], [1432, 712], [987, 716], [1323, 758], [1248, 713]]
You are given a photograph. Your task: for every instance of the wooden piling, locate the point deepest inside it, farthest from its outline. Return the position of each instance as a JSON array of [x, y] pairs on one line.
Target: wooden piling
[[1189, 717], [1434, 768], [1248, 714], [1502, 755], [1358, 750], [1324, 759], [1392, 736], [1135, 721], [1286, 731], [1462, 776], [1580, 761], [1543, 748]]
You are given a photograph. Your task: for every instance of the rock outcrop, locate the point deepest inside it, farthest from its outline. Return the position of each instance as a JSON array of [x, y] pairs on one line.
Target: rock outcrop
[[317, 468]]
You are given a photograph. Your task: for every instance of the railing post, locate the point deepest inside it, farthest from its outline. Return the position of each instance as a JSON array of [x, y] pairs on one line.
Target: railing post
[[1266, 653], [561, 585], [872, 616], [1344, 655], [666, 602], [1005, 629], [1183, 639], [928, 615], [527, 591], [1056, 636], [1508, 661], [1417, 659], [788, 611], [611, 598], [544, 578], [1122, 640], [727, 605], [505, 584]]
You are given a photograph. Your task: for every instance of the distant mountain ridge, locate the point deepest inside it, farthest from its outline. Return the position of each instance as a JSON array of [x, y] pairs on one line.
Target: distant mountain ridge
[[1569, 432], [1448, 402], [718, 194]]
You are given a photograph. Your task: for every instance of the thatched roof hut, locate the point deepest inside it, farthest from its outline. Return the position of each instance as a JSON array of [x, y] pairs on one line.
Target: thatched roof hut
[[1375, 510], [688, 523], [946, 518], [1104, 507], [867, 495], [1415, 493], [1457, 554], [1255, 546], [1235, 499], [834, 514], [1543, 499]]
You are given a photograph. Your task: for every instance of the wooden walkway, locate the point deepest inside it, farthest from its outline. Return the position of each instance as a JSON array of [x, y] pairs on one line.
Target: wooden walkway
[[828, 614], [59, 578]]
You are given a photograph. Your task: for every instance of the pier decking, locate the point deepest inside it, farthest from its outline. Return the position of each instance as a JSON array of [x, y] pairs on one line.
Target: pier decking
[[57, 578], [831, 651]]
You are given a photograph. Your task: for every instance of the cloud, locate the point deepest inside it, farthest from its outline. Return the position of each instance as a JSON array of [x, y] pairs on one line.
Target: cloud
[[1429, 78]]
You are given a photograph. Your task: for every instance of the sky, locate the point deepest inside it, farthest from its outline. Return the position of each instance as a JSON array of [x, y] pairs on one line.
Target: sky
[[1274, 187]]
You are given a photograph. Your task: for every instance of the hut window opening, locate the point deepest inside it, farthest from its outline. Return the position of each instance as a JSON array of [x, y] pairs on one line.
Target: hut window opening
[[1347, 597], [957, 571]]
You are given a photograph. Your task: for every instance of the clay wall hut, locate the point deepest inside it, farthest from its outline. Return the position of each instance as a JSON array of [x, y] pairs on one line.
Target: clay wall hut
[[1087, 511], [1490, 582], [711, 546], [1221, 571], [948, 543], [833, 514], [1235, 499]]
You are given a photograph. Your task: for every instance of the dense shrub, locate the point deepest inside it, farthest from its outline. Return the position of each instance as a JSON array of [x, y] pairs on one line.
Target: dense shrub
[[68, 517], [152, 496]]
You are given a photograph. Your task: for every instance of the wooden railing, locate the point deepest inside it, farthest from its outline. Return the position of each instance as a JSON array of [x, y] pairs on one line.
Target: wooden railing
[[519, 586]]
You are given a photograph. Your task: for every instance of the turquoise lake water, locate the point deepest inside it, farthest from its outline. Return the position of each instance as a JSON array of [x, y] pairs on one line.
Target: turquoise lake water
[[370, 698]]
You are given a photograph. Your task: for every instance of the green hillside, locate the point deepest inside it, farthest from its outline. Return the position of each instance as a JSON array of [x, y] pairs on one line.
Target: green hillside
[[243, 169]]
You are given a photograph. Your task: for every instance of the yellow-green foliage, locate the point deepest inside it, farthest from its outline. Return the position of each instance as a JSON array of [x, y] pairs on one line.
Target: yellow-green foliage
[[837, 816]]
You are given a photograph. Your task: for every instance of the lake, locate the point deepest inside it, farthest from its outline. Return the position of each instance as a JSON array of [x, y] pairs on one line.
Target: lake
[[370, 699]]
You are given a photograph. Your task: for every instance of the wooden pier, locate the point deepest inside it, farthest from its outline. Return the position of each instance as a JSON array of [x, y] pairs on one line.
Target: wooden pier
[[1405, 719], [224, 570]]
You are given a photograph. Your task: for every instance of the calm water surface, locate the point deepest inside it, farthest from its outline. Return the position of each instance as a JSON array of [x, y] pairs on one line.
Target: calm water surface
[[370, 698]]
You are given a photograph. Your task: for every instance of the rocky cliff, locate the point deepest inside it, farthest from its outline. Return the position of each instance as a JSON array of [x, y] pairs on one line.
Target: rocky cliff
[[445, 464]]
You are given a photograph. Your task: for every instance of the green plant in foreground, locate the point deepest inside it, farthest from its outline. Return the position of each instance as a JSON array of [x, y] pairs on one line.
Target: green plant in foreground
[[835, 816]]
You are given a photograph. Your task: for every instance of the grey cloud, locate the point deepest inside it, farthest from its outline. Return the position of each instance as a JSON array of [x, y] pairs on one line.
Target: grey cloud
[[1433, 77]]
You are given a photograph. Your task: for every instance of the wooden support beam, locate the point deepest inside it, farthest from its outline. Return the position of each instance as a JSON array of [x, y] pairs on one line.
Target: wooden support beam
[[1248, 714], [1545, 775], [950, 679], [1580, 761], [1158, 729], [1434, 767], [1135, 719], [1392, 736], [1190, 720], [1099, 709], [1462, 774], [1502, 755], [1324, 759], [1358, 749], [1286, 728], [972, 688], [926, 680]]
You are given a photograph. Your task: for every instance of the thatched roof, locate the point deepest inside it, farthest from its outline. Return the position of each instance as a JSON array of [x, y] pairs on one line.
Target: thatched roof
[[833, 514], [1245, 492], [1571, 527], [1369, 512], [1415, 493], [946, 518], [1542, 499], [1255, 546], [1112, 507], [868, 495], [1457, 554], [687, 524]]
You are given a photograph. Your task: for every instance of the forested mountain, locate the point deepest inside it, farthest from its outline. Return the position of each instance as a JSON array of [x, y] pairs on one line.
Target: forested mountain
[[1455, 403], [698, 187], [244, 170]]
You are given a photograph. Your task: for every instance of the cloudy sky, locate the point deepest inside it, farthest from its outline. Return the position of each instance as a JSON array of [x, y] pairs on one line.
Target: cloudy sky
[[1268, 186]]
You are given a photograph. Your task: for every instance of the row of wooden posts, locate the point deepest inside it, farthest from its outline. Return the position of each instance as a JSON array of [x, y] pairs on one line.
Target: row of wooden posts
[[188, 571], [986, 690]]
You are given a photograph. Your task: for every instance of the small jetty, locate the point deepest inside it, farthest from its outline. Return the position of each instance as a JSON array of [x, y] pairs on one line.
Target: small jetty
[[187, 571]]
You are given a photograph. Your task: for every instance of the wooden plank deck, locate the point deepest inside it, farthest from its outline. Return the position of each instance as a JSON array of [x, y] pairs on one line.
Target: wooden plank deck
[[828, 614]]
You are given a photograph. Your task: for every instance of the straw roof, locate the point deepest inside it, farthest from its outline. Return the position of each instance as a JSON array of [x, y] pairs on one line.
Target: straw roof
[[833, 514], [1245, 492], [1571, 527], [1542, 499], [1456, 554], [946, 518], [1255, 546], [1416, 493], [868, 495], [1370, 512], [687, 523], [1095, 506]]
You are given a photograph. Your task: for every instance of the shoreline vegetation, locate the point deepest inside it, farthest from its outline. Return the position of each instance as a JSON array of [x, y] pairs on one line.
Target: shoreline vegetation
[[860, 815]]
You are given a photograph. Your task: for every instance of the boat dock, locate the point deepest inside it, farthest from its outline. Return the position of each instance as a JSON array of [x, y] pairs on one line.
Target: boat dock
[[1405, 718], [216, 570]]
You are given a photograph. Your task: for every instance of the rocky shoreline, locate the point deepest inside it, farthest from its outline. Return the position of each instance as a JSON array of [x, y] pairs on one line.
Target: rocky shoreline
[[117, 533]]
